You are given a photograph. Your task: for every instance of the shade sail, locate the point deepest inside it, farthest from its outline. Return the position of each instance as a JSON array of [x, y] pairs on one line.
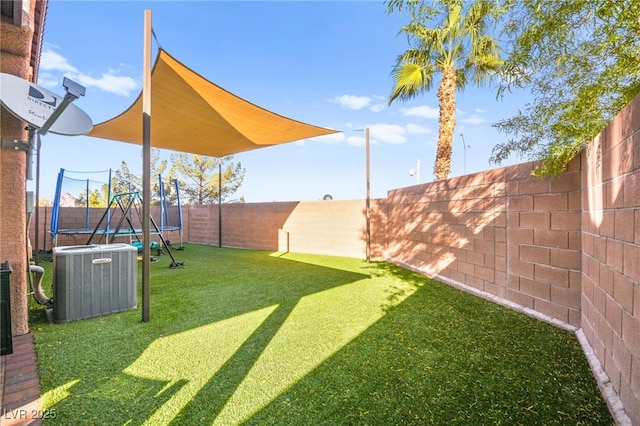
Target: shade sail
[[191, 114]]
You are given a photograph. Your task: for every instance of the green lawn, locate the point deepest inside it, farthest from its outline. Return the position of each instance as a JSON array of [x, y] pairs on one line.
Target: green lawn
[[241, 336]]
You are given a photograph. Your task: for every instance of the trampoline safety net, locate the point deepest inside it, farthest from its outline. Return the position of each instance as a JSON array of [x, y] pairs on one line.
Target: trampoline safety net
[[84, 204]]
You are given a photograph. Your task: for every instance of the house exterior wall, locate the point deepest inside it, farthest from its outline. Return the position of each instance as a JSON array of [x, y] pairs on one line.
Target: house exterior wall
[[17, 52]]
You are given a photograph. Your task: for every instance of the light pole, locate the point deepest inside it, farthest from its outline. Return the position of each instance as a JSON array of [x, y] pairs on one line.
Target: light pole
[[416, 172], [464, 163]]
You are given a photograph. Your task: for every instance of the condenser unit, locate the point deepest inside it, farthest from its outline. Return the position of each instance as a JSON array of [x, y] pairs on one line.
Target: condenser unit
[[94, 280]]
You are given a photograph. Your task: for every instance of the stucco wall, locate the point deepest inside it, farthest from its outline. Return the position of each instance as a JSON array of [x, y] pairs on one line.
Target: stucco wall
[[15, 47]]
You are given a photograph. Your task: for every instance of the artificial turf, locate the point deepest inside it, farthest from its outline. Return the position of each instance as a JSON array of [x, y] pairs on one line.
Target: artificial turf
[[242, 336]]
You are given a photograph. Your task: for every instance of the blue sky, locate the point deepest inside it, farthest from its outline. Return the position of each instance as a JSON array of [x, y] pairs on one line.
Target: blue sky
[[327, 63]]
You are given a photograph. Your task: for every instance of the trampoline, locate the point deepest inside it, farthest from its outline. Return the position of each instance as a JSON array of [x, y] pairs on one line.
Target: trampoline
[[89, 201]]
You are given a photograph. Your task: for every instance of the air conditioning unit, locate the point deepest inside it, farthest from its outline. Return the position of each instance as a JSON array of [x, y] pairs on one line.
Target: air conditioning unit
[[94, 280]]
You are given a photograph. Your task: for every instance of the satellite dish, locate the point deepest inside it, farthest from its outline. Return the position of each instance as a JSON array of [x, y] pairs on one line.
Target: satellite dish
[[34, 104]]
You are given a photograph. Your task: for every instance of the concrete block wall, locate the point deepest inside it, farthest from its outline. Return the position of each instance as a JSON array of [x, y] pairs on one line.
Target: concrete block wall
[[611, 253], [75, 218], [502, 232], [254, 225], [327, 227], [453, 229], [543, 242], [323, 227]]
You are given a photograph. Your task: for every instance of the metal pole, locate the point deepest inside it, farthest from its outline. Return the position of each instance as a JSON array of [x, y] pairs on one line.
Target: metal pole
[[36, 248], [146, 165], [86, 209], [368, 204], [464, 158], [219, 202]]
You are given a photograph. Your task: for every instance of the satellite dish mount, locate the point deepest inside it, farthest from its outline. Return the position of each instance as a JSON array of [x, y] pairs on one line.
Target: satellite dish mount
[[73, 91]]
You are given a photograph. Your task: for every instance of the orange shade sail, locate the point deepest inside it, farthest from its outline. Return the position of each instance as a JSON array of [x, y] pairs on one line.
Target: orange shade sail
[[191, 114]]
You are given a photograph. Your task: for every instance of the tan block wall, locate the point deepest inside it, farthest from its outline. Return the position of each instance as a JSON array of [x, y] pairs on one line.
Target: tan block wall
[[543, 242], [611, 253], [75, 218], [326, 227], [503, 232], [453, 229]]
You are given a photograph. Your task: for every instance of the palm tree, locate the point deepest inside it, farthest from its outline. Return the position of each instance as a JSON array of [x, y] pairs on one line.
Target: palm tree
[[460, 49]]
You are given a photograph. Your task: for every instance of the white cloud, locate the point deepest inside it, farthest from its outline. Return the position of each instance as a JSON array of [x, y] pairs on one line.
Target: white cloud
[[108, 82], [473, 119], [480, 110], [333, 138], [377, 107], [46, 79], [417, 129], [421, 111], [388, 133], [352, 102], [52, 61], [356, 141]]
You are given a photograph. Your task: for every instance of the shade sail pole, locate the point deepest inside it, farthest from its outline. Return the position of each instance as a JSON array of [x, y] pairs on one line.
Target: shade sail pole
[[220, 202], [146, 164]]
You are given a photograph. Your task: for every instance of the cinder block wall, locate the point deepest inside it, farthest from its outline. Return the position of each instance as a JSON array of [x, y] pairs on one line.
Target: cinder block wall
[[327, 227], [543, 242], [611, 253], [453, 229], [75, 218], [253, 225], [503, 232], [324, 227]]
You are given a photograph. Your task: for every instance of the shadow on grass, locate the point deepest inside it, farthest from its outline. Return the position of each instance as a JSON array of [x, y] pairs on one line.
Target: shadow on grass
[[241, 336], [445, 357], [101, 370]]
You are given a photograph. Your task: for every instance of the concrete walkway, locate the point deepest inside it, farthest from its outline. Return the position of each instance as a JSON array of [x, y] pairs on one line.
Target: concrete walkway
[[19, 385]]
